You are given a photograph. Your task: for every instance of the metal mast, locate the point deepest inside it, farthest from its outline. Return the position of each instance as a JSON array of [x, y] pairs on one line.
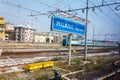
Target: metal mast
[[85, 47]]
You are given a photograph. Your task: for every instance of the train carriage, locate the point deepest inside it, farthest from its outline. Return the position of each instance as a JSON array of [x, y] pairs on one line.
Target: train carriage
[[77, 42]]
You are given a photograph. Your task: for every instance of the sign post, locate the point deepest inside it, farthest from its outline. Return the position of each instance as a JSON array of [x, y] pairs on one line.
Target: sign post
[[69, 26], [65, 25], [69, 54]]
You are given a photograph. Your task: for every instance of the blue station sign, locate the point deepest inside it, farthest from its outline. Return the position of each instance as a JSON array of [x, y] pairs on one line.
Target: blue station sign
[[65, 25]]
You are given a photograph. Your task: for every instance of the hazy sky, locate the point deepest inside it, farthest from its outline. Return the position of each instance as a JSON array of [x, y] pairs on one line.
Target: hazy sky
[[105, 20]]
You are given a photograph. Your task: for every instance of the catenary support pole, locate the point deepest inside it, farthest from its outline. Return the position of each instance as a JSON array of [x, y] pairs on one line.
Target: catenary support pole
[[69, 55], [93, 36], [85, 47]]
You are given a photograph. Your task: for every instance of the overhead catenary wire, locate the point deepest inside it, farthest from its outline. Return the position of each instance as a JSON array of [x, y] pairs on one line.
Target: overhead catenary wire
[[98, 27], [114, 20], [62, 3], [117, 7], [104, 12], [53, 5], [97, 6], [92, 7], [22, 18], [112, 0], [108, 33], [48, 7], [19, 6], [68, 4], [112, 10], [100, 17], [103, 34]]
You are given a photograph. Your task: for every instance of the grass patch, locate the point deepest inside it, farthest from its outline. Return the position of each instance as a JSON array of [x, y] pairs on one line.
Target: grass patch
[[103, 64], [56, 58]]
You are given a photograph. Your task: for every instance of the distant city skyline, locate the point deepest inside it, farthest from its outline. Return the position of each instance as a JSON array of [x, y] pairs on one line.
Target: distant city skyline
[[104, 21]]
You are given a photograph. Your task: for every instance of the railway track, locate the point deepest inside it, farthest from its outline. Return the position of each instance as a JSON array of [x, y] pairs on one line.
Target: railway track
[[18, 53], [20, 58]]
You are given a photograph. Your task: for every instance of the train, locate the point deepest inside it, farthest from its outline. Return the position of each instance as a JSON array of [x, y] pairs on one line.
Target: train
[[77, 42], [39, 65]]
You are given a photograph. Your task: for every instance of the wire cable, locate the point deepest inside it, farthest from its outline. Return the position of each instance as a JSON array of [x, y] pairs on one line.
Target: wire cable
[[53, 5], [18, 6], [113, 10], [100, 17], [105, 13]]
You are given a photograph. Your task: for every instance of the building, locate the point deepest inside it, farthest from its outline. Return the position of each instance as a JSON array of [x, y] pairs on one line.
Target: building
[[58, 38], [2, 22], [2, 33], [47, 37], [9, 31], [2, 29], [44, 38], [23, 33]]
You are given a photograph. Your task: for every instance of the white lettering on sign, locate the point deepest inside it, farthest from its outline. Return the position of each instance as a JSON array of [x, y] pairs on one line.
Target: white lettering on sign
[[77, 29], [64, 25]]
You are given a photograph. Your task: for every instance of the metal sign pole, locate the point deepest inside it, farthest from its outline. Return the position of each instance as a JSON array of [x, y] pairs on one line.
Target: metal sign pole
[[69, 55]]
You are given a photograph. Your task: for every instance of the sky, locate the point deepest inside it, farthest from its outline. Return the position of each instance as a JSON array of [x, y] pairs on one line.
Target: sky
[[104, 21]]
